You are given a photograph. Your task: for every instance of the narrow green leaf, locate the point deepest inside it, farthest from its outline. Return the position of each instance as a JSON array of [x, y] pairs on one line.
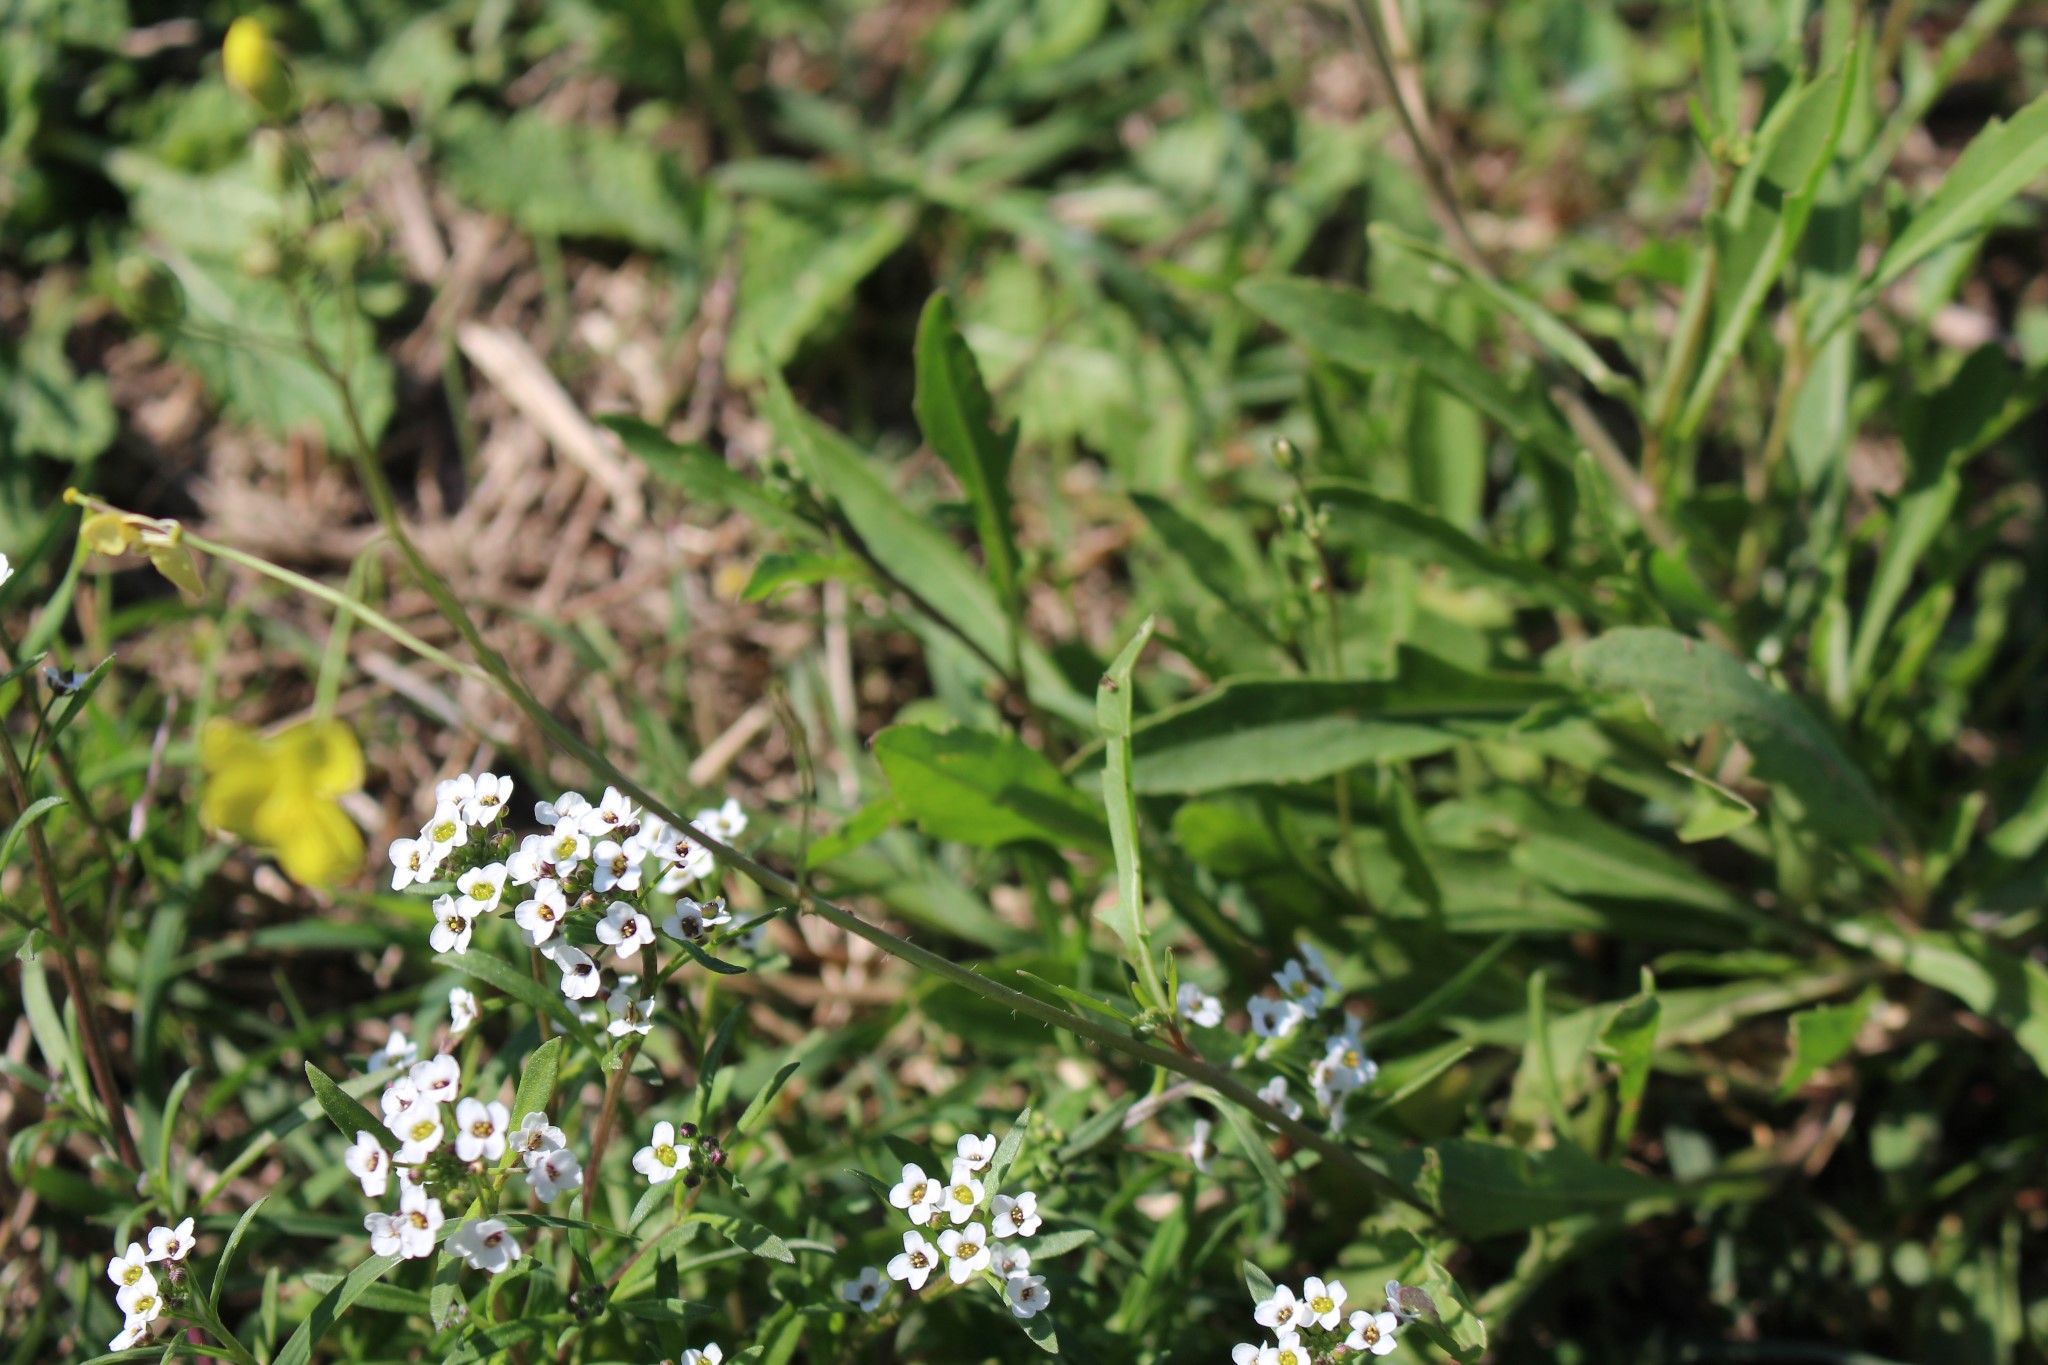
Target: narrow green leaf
[[1258, 1282], [1629, 1039], [704, 477], [766, 1096], [1006, 1154], [328, 1311], [748, 1236], [537, 1083], [346, 1111], [521, 987], [1996, 983], [1720, 69], [958, 420], [20, 828], [1081, 998], [227, 1252], [1127, 916], [777, 570], [1489, 1189], [2000, 161]]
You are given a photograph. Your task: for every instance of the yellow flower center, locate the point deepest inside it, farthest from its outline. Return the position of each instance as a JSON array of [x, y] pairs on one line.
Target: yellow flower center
[[130, 1274], [419, 1219], [442, 832], [1322, 1304], [423, 1130], [1369, 1333], [145, 1304], [456, 924], [481, 1128], [962, 1195], [481, 891], [565, 846], [1351, 1058], [918, 1260], [917, 1192], [665, 1155]]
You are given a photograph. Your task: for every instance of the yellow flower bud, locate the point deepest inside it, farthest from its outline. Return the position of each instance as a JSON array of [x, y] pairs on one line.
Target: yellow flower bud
[[252, 65]]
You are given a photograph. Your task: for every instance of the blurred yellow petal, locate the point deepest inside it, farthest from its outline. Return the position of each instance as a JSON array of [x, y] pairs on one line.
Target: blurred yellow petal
[[107, 533], [277, 794], [324, 755], [181, 567], [315, 841]]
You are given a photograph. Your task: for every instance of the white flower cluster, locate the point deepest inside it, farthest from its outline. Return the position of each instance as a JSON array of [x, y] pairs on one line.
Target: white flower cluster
[[1306, 1328], [1307, 992], [442, 1137], [964, 1201], [585, 852], [135, 1285]]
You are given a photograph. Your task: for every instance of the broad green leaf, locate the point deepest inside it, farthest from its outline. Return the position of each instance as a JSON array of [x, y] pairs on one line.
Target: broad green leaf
[[748, 1235], [1127, 916], [1716, 811], [2000, 161], [1629, 1039], [958, 420], [347, 1111], [559, 178], [1357, 332], [1207, 559], [1996, 983], [1258, 1282], [1381, 525], [973, 787], [1283, 730], [1691, 686], [779, 569], [1489, 1190], [537, 1083], [1820, 1037]]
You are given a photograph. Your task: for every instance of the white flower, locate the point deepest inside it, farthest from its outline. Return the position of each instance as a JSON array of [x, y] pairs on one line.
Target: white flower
[[917, 1195], [1010, 1258], [398, 1050], [480, 1130], [1016, 1217], [541, 915], [915, 1263], [445, 830], [482, 888], [1346, 1065], [419, 1218], [1282, 1313], [963, 1194], [725, 824], [610, 816], [530, 862], [463, 1010], [487, 799], [1294, 983], [1200, 1149], [580, 977], [6, 571], [140, 1303], [170, 1244], [567, 807], [692, 921], [661, 1160], [418, 1131], [486, 1244], [535, 1137], [710, 1355], [865, 1290], [456, 791], [1372, 1332], [566, 848], [130, 1267], [696, 866], [400, 1095], [1244, 1353], [625, 929], [974, 1152], [1321, 1304], [1027, 1294], [368, 1162], [1197, 1006], [384, 1229], [629, 1015], [1275, 1018], [452, 926], [968, 1248], [413, 860], [132, 1334], [1313, 962], [553, 1173], [439, 1078], [1274, 1092], [1288, 1350], [614, 867]]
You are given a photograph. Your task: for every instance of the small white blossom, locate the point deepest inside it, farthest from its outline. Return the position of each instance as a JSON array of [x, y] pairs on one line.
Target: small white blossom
[[1027, 1295], [1275, 1018], [480, 1130], [553, 1173], [535, 1137], [1197, 1006], [445, 831], [567, 848], [629, 1015], [529, 862], [368, 1162], [140, 1303], [455, 792], [418, 1131], [973, 1152], [384, 1229], [611, 816], [865, 1290], [567, 806], [400, 1095], [692, 921], [463, 1010], [1373, 1332], [710, 1355], [662, 1160], [1016, 1217], [540, 915], [439, 1078], [1348, 1066], [133, 1333], [1282, 1313], [487, 798], [1295, 983], [625, 929], [915, 1263], [1317, 967], [452, 926], [724, 824], [1321, 1304], [1200, 1149], [482, 888], [398, 1050], [413, 860], [170, 1244], [580, 977], [968, 1249], [1274, 1092], [614, 868], [917, 1194], [1244, 1353], [486, 1244], [419, 1216], [963, 1195], [1010, 1258], [130, 1267], [1288, 1350]]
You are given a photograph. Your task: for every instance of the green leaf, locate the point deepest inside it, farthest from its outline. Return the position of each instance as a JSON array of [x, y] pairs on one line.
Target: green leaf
[[522, 988], [703, 476], [1283, 730], [1720, 69], [1629, 1039], [2000, 161], [1716, 811], [1691, 686], [1207, 559], [347, 1111], [1997, 984], [747, 1235], [537, 1083], [1006, 1154], [766, 1095], [1355, 331], [234, 1244], [796, 271], [1258, 1282], [958, 420], [1820, 1037], [1489, 1189], [973, 787], [777, 570], [19, 829], [328, 1311], [1126, 918]]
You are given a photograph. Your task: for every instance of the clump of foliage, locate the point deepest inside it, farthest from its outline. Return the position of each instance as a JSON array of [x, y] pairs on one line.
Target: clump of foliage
[[1472, 789]]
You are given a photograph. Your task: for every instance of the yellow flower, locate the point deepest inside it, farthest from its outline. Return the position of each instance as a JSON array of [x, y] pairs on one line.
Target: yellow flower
[[250, 61], [279, 794]]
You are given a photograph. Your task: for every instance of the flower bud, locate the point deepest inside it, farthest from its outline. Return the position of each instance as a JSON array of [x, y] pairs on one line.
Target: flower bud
[[252, 65], [686, 1130], [1285, 455], [339, 246]]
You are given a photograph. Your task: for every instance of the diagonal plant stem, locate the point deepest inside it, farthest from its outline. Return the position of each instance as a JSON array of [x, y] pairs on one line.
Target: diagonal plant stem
[[384, 506]]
